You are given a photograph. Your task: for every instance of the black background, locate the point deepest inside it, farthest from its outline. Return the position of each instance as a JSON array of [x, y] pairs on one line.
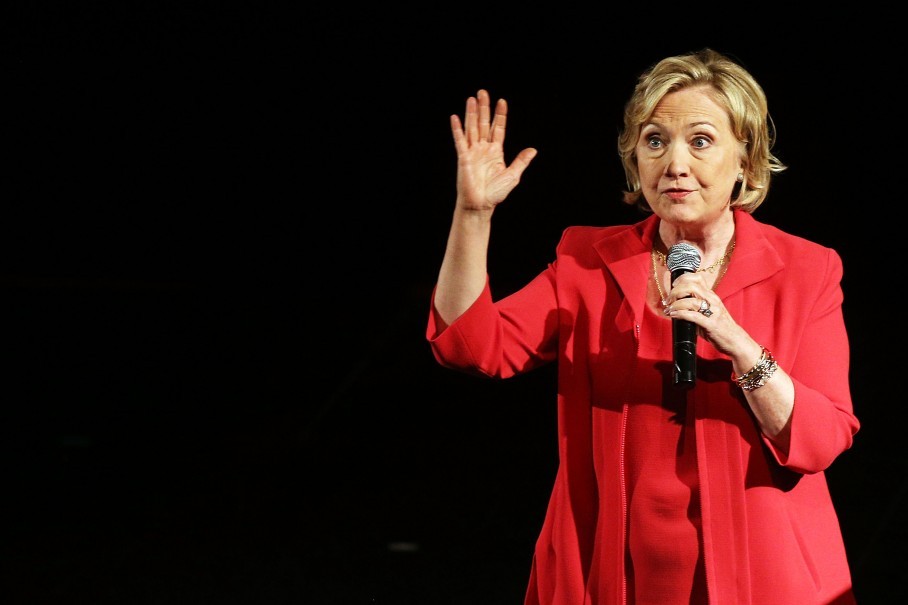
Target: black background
[[221, 226]]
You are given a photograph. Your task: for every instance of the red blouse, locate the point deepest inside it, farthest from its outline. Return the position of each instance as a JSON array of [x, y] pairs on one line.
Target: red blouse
[[664, 561]]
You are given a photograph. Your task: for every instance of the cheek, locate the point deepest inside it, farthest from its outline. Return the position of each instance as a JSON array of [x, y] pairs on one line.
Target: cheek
[[722, 177], [649, 172]]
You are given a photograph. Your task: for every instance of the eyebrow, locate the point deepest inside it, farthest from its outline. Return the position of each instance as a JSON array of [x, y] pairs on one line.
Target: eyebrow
[[645, 125]]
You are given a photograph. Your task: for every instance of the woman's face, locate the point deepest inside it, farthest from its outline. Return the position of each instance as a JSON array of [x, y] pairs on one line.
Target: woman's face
[[688, 158]]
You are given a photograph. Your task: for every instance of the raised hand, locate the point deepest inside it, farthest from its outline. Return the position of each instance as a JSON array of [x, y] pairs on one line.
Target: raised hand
[[484, 179]]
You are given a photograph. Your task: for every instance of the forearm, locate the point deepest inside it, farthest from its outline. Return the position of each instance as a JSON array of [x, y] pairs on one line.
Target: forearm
[[772, 405], [773, 402], [464, 268]]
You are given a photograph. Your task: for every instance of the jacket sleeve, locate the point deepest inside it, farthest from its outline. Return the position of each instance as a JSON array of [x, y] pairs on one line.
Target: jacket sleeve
[[504, 338], [823, 423]]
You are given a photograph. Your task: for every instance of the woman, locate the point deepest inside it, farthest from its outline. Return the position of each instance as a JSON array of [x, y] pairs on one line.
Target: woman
[[710, 494]]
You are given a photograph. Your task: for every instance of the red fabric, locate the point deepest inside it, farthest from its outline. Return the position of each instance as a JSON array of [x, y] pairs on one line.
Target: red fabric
[[770, 531], [664, 560]]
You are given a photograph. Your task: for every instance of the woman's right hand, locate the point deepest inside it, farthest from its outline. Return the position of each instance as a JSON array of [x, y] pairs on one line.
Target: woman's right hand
[[483, 178]]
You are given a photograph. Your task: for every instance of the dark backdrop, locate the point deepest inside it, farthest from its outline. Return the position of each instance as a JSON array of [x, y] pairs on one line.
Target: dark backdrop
[[221, 226]]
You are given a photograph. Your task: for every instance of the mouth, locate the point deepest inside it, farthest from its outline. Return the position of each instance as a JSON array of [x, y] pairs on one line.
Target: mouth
[[676, 194]]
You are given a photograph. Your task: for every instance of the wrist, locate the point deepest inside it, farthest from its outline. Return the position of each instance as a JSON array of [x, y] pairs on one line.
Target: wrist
[[759, 373]]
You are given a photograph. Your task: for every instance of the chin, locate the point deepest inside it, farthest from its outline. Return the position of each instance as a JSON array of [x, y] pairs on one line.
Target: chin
[[679, 212]]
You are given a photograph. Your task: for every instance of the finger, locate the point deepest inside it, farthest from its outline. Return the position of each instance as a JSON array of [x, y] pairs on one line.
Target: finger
[[684, 295], [471, 118], [688, 303], [682, 310], [500, 121], [460, 143], [523, 160], [484, 114], [687, 300]]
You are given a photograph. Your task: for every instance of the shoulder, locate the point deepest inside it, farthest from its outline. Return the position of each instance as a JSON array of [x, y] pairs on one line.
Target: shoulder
[[785, 240], [797, 251], [584, 236]]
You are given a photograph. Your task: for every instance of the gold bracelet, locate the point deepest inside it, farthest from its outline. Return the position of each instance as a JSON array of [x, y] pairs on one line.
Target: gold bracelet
[[757, 376]]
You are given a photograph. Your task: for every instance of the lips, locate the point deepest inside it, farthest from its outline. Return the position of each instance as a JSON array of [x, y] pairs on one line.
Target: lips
[[676, 194]]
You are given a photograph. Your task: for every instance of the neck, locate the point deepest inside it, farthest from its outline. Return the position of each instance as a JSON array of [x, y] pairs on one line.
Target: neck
[[711, 239]]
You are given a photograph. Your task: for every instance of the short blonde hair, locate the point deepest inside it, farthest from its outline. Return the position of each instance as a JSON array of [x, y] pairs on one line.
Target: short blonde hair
[[735, 89]]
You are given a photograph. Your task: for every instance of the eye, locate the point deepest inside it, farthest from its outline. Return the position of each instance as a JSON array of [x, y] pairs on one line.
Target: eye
[[653, 142], [701, 142]]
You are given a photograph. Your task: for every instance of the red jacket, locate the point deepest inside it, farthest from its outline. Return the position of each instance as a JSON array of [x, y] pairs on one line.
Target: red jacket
[[770, 532]]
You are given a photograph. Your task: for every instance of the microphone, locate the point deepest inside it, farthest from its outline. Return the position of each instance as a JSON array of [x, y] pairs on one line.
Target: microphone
[[683, 258]]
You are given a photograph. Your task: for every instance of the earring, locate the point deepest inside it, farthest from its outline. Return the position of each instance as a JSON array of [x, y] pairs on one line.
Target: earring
[[736, 190]]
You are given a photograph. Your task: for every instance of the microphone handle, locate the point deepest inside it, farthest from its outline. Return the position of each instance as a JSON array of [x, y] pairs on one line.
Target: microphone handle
[[684, 343], [684, 348]]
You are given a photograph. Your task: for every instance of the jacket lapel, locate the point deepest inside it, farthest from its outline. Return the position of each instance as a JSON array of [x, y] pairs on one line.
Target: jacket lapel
[[755, 259], [626, 255]]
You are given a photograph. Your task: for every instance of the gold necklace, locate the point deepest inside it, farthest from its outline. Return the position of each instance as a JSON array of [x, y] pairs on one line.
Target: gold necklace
[[712, 268], [655, 254]]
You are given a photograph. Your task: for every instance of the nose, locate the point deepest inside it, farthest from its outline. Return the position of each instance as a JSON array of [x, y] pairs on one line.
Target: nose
[[677, 162]]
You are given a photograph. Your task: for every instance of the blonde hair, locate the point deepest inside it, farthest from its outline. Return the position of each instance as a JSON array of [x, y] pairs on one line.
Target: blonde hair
[[736, 90]]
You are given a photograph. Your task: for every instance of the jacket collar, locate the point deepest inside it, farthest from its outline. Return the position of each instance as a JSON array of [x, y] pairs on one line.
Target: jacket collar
[[626, 255]]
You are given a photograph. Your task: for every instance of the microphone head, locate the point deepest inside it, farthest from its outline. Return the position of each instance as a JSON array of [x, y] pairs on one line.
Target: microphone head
[[682, 257]]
